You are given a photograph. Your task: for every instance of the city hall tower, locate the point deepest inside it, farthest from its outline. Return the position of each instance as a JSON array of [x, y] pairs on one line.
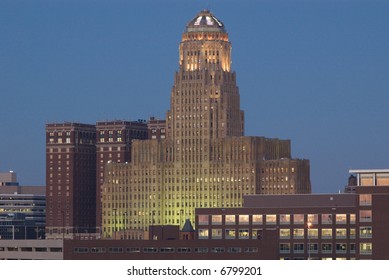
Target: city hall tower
[[205, 159]]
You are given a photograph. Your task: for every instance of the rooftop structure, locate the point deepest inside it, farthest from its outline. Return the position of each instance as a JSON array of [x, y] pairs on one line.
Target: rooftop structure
[[8, 179], [371, 177]]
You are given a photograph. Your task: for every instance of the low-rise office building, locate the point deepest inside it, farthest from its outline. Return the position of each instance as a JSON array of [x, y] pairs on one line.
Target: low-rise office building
[[22, 209], [351, 225], [31, 249]]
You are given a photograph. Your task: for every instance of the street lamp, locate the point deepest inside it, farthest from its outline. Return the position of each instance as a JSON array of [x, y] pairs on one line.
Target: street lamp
[[309, 225]]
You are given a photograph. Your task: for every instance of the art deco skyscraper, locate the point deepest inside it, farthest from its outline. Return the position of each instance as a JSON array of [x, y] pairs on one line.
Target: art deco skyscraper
[[204, 161], [113, 143]]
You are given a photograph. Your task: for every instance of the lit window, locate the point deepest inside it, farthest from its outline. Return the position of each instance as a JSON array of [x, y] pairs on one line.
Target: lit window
[[352, 233], [216, 219], [366, 180], [243, 219], [341, 218], [203, 220], [326, 218], [230, 233], [365, 232], [243, 234], [216, 233], [326, 233], [313, 218], [203, 233], [365, 248], [271, 219], [284, 233], [257, 219], [365, 199], [230, 220], [341, 233], [284, 219], [365, 216], [313, 233], [298, 218], [298, 233], [352, 218], [256, 233], [382, 179]]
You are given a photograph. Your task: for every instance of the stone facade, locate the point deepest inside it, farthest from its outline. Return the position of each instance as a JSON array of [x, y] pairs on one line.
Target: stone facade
[[113, 143]]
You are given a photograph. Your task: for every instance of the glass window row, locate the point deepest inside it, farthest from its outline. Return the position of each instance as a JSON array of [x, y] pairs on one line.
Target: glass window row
[[281, 219], [103, 250], [315, 248]]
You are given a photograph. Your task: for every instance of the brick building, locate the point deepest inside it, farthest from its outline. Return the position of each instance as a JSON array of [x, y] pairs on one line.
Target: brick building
[[70, 179]]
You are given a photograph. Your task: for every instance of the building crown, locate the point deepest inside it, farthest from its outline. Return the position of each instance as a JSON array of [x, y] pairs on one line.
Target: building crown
[[205, 21]]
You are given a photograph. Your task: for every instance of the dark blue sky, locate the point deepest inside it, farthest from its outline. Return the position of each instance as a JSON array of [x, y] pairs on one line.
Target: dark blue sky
[[315, 72]]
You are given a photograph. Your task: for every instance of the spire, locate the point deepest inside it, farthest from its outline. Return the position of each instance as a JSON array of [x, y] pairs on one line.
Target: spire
[[187, 226]]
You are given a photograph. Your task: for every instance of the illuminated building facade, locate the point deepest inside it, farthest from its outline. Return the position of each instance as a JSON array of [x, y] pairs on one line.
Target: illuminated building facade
[[204, 160], [113, 143]]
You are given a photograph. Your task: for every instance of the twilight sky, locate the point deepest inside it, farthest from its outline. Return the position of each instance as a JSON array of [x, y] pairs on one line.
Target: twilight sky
[[313, 71]]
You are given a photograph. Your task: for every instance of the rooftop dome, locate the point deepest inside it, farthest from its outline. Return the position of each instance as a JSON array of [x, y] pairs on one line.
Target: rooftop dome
[[205, 21]]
